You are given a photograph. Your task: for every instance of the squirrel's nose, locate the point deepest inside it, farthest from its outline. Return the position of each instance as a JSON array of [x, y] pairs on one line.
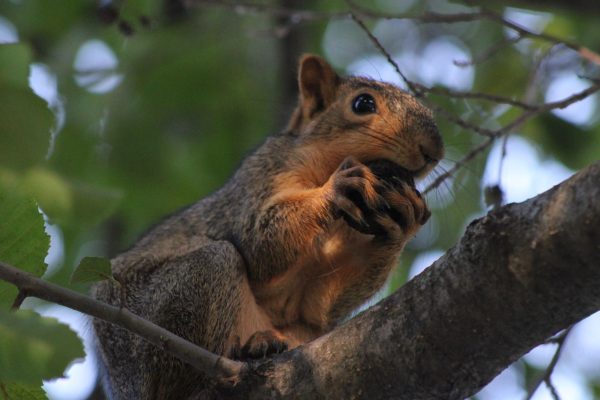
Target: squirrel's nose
[[431, 147], [432, 154]]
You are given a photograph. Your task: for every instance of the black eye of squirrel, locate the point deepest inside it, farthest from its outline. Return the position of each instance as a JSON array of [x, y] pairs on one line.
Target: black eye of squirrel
[[364, 104]]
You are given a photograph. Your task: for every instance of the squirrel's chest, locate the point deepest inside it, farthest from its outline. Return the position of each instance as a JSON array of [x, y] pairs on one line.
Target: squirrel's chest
[[308, 290]]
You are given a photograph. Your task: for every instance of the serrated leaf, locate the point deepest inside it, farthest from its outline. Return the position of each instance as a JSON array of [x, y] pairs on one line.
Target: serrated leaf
[[23, 240], [13, 391], [92, 269], [33, 347]]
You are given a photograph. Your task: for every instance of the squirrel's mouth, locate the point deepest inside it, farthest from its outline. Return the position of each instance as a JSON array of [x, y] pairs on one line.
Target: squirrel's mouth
[[391, 172]]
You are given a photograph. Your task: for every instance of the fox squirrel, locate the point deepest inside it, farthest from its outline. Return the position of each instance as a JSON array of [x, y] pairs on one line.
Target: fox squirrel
[[306, 230]]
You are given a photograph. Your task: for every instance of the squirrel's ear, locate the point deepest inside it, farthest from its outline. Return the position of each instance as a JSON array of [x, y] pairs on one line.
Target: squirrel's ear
[[318, 84]]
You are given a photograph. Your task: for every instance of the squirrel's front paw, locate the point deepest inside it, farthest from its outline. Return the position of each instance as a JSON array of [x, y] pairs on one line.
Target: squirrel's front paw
[[408, 210], [262, 344], [388, 209], [355, 193]]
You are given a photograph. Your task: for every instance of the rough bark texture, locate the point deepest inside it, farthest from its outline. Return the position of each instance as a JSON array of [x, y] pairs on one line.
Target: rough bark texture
[[518, 276]]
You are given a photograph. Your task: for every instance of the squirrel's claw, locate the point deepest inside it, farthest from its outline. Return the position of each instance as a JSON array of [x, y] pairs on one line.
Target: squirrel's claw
[[263, 344], [374, 206]]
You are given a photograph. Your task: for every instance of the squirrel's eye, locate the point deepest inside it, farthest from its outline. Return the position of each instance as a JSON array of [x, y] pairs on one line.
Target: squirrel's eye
[[364, 104]]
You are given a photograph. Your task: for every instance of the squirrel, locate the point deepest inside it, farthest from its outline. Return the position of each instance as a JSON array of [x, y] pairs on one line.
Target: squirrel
[[306, 230]]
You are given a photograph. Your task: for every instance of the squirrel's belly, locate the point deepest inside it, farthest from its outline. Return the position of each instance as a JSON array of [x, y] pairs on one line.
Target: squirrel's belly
[[305, 294]]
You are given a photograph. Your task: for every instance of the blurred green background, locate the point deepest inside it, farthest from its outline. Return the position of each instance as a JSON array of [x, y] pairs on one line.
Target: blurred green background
[[115, 114]]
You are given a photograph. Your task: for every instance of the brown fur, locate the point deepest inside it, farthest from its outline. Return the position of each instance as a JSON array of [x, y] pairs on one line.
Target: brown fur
[[301, 235]]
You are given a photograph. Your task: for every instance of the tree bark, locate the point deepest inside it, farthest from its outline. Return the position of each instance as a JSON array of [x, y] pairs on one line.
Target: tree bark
[[518, 275]]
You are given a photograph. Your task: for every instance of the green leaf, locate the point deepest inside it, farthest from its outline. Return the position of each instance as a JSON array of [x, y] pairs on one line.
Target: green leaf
[[33, 347], [23, 240], [25, 119], [14, 64], [13, 391], [92, 269]]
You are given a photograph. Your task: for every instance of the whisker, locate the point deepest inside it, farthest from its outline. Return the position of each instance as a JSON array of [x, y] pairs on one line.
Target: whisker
[[383, 139], [466, 167]]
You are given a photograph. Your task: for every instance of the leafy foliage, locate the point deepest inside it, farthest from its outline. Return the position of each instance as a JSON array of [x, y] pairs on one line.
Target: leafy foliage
[[34, 347], [92, 269], [23, 241], [23, 116], [12, 391]]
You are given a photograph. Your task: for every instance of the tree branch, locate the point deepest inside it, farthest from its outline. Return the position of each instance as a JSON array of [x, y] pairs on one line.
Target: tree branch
[[419, 90], [560, 341], [21, 296], [304, 15], [203, 360], [518, 276], [514, 124], [358, 13]]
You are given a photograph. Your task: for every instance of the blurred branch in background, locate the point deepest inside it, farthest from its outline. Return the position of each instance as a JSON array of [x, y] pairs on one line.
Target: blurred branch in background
[[296, 16], [294, 39]]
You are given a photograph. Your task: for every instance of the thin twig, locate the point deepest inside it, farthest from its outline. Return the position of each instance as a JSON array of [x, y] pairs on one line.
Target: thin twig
[[21, 296], [530, 110], [426, 17], [528, 97], [503, 154], [419, 90], [489, 53], [514, 124], [583, 51], [478, 96], [413, 87], [358, 12], [248, 7], [202, 359], [303, 15], [460, 163], [560, 340], [551, 388]]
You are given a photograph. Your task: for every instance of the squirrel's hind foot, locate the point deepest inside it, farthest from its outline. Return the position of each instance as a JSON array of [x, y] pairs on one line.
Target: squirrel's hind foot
[[260, 345]]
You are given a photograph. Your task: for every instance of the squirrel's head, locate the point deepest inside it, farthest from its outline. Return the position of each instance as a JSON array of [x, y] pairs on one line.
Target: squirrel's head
[[363, 118]]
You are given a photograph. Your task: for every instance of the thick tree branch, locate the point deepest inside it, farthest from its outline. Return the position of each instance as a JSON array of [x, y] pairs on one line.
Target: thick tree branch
[[518, 276], [188, 352]]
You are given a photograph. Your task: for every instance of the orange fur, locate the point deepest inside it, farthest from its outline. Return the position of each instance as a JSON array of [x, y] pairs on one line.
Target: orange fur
[[334, 259]]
